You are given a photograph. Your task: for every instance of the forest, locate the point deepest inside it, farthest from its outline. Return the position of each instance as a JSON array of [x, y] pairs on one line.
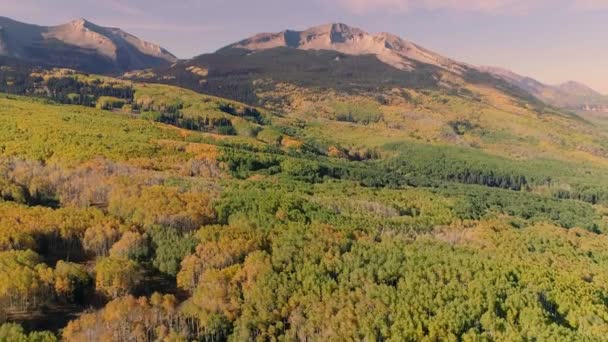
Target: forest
[[145, 212]]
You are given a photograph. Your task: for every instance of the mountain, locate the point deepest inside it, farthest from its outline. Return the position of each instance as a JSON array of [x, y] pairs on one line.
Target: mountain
[[580, 96], [570, 95], [80, 45], [387, 47], [347, 88], [333, 56], [400, 53]]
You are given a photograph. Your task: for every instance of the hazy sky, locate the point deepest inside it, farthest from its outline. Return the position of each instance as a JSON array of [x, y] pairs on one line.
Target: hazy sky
[[551, 40]]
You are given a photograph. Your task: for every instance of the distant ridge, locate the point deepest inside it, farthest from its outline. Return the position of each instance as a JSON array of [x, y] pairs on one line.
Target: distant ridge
[[80, 44], [571, 94]]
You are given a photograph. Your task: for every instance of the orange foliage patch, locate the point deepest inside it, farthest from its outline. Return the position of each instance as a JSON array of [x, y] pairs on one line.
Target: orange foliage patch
[[336, 152], [290, 142]]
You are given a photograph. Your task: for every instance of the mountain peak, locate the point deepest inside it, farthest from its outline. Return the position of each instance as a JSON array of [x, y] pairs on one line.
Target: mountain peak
[[82, 24], [578, 88], [334, 29], [573, 84], [346, 39], [336, 33], [80, 44], [340, 27], [79, 22]]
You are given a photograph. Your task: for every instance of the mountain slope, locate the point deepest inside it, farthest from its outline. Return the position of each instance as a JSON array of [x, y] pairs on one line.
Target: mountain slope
[[330, 80], [80, 45], [333, 56], [405, 55]]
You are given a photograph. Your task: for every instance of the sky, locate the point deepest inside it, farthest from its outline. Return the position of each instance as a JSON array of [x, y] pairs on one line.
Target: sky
[[550, 40]]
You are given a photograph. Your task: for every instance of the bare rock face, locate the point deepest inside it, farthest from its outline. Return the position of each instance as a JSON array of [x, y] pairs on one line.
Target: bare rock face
[[82, 45], [388, 48]]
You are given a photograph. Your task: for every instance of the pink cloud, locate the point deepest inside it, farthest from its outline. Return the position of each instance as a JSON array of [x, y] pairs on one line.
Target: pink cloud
[[591, 4], [122, 7], [488, 6], [497, 7], [363, 6]]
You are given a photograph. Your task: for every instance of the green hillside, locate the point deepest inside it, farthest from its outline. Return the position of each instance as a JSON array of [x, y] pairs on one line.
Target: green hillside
[[145, 211], [379, 104]]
